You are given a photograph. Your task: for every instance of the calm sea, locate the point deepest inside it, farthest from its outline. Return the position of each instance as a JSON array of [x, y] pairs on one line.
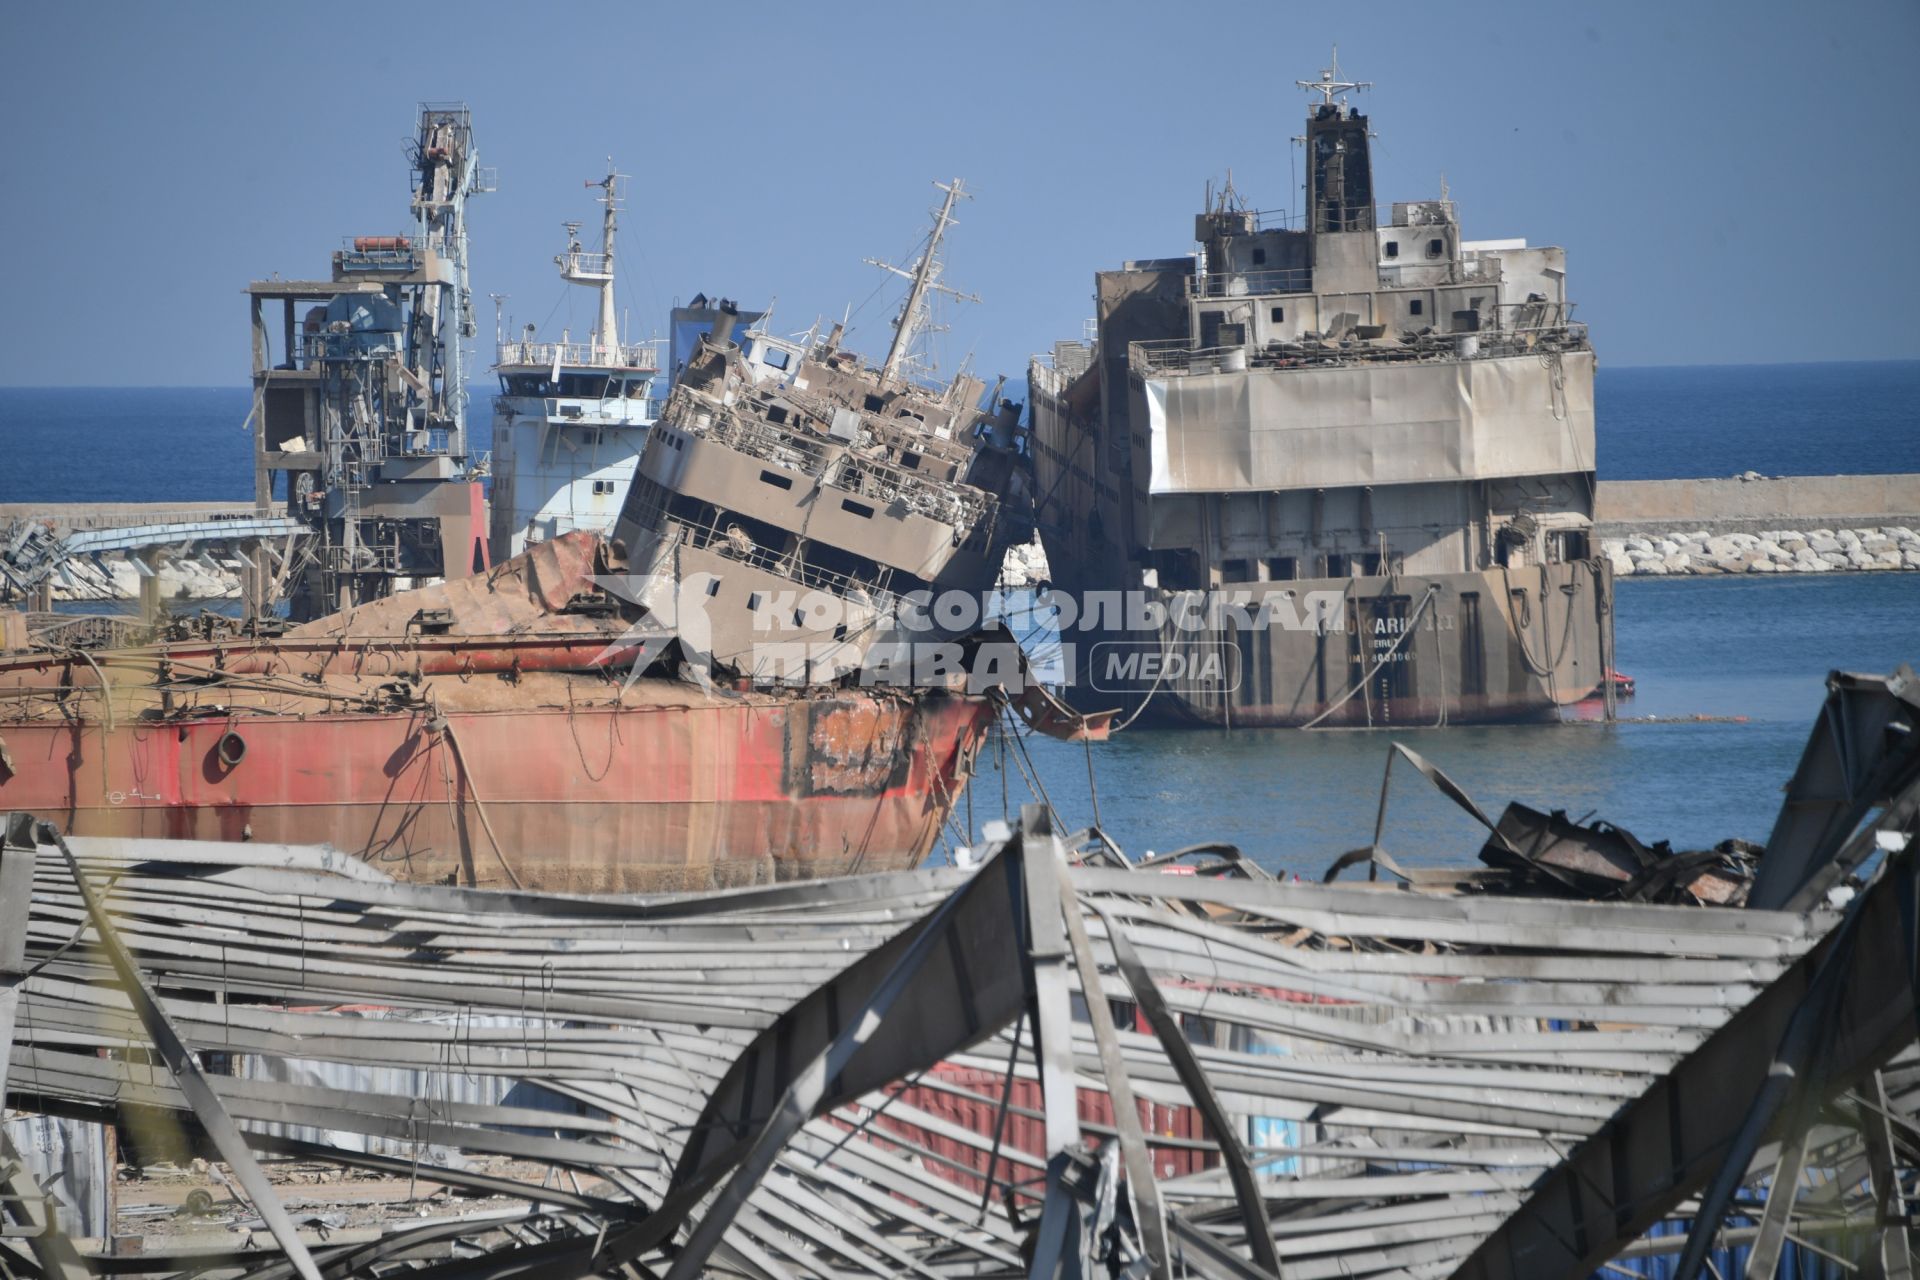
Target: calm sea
[[63, 444], [1758, 648], [1720, 647]]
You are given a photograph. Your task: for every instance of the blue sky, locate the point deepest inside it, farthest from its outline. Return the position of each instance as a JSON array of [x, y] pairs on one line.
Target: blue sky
[[1731, 179]]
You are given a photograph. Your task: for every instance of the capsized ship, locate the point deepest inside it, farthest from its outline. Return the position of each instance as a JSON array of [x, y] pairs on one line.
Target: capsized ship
[[824, 507], [571, 417], [1351, 457], [544, 724]]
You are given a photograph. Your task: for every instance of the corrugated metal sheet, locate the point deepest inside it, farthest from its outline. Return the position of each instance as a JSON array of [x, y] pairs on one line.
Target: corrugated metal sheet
[[432, 1087], [70, 1161]]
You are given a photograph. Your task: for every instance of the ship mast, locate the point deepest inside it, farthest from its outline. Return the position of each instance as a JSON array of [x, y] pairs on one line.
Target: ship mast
[[925, 275], [579, 266]]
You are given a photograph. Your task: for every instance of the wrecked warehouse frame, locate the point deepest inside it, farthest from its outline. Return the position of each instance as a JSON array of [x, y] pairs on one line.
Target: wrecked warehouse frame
[[903, 1074]]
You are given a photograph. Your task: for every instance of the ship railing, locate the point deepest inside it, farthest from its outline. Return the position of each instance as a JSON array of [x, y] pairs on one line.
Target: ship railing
[[960, 507], [610, 411], [352, 344], [585, 262], [1249, 284], [1546, 329], [1418, 275], [641, 356], [1177, 355], [1418, 213], [881, 481], [720, 535]]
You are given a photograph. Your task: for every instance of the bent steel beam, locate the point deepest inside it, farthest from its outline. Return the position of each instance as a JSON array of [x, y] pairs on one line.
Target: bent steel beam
[[1665, 1144], [1864, 751], [186, 1071]]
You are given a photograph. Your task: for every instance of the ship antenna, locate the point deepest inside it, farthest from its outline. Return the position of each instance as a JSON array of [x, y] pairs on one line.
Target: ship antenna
[[925, 275], [1330, 86]]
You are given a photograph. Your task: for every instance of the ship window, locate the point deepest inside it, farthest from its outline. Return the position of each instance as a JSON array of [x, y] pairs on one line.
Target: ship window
[[777, 480], [1282, 569], [1393, 248], [1259, 257], [1277, 315], [1236, 571], [1435, 248], [776, 414], [753, 600], [1336, 565], [773, 358], [875, 404], [840, 631], [909, 459], [713, 588], [1416, 306], [1572, 545], [602, 487], [860, 509], [1370, 564]]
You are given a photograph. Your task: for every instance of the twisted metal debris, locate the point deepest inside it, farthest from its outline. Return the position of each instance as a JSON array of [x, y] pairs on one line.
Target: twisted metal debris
[[1053, 1063]]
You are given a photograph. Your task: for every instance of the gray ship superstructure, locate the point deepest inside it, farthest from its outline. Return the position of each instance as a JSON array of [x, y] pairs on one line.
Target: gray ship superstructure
[[364, 409], [1350, 455], [809, 502]]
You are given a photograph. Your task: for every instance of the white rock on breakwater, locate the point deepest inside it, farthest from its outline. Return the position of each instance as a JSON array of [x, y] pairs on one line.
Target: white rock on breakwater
[[1770, 551]]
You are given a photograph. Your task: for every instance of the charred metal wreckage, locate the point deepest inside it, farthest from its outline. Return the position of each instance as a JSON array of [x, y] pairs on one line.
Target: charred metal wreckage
[[684, 705], [1052, 1062], [1357, 407]]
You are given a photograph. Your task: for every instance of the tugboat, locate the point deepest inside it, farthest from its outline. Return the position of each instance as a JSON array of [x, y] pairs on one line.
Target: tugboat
[[571, 417], [1341, 466]]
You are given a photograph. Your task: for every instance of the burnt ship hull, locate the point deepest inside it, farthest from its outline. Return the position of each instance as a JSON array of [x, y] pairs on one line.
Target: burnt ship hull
[[505, 748], [1494, 645], [1470, 648], [676, 795]]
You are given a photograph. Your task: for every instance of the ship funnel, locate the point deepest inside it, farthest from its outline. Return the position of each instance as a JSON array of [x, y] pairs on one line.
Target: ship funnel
[[723, 326]]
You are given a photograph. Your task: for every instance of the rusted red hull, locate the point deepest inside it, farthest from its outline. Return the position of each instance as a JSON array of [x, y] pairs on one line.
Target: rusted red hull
[[594, 799], [499, 749]]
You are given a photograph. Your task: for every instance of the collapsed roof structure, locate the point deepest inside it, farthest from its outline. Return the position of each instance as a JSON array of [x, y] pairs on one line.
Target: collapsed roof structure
[[1053, 1062]]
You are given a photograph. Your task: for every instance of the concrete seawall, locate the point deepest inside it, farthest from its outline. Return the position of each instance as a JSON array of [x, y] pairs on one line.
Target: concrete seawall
[[1636, 508]]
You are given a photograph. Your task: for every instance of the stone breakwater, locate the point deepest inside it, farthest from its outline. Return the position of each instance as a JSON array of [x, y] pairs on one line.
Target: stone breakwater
[[1769, 551]]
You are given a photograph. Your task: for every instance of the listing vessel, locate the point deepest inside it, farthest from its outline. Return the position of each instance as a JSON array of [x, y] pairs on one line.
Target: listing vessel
[[571, 417], [825, 514], [592, 714], [1338, 468]]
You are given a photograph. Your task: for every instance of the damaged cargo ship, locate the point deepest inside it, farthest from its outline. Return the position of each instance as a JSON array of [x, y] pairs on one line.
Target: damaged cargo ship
[[1348, 460], [559, 721]]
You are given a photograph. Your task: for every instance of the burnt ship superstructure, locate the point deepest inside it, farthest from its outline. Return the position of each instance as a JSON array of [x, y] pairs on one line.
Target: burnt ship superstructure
[[816, 507], [539, 723], [1350, 457], [361, 399]]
